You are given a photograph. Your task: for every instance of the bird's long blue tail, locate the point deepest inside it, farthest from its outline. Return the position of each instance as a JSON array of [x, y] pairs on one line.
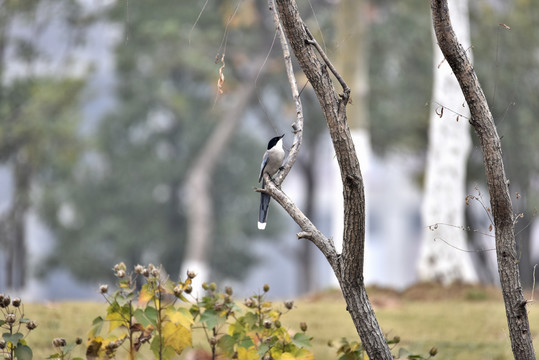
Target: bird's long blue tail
[[263, 212]]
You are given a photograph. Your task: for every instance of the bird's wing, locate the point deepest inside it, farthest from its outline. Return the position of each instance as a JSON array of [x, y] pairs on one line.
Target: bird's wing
[[263, 166]]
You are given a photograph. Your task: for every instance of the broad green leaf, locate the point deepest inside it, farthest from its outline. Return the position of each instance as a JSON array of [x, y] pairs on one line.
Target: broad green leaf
[[211, 319], [97, 324], [180, 316], [247, 354], [23, 352], [141, 318], [151, 314], [12, 338], [155, 344], [226, 344], [115, 320], [177, 336], [302, 340], [250, 319], [262, 349]]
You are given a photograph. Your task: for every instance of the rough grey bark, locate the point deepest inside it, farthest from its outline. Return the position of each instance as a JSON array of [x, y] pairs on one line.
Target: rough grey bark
[[348, 266], [498, 185]]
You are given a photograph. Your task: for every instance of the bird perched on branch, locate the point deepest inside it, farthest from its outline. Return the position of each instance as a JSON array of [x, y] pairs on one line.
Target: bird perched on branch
[[271, 162]]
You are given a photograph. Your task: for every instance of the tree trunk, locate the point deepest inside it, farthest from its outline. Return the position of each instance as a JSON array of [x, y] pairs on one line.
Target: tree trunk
[[198, 188], [445, 175], [351, 24], [348, 266], [14, 226], [498, 185]]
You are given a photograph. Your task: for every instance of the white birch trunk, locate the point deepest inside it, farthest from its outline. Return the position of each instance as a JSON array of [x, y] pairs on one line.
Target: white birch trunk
[[445, 191]]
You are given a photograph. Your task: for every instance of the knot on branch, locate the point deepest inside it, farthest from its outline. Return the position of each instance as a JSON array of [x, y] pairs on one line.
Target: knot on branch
[[305, 235], [352, 180]]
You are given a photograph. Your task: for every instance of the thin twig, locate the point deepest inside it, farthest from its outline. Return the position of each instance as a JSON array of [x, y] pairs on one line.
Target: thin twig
[[297, 126], [313, 42]]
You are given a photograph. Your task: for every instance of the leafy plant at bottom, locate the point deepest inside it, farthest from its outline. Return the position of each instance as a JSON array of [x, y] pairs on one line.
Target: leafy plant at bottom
[[12, 322], [145, 316], [255, 333]]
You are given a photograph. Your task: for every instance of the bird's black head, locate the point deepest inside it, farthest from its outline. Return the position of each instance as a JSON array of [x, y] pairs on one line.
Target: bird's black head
[[274, 141]]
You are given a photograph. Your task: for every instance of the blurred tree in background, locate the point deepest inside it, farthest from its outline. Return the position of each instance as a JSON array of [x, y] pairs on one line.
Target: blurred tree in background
[[127, 198], [506, 42], [39, 113], [124, 197]]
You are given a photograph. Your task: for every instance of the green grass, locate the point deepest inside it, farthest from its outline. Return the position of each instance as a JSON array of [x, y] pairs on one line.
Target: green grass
[[469, 327]]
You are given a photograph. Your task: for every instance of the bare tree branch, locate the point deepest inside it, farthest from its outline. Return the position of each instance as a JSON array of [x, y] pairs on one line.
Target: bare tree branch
[[297, 126], [349, 266], [498, 185]]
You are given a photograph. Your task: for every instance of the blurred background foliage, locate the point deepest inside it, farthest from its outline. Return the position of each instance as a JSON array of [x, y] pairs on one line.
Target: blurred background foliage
[[115, 192]]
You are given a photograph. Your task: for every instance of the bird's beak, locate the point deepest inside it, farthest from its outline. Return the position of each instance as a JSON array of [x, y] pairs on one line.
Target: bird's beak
[[282, 136]]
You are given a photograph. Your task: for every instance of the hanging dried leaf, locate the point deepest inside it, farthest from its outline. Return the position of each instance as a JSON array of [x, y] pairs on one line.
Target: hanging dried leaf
[[440, 113], [221, 80], [505, 26]]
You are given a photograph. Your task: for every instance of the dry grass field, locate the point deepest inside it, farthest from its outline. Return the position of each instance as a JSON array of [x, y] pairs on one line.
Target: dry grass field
[[462, 322]]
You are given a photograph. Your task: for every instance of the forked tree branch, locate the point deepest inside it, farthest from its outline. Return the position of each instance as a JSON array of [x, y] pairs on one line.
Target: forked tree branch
[[502, 210], [348, 267]]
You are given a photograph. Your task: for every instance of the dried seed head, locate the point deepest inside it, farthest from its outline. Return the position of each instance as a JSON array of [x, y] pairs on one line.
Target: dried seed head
[[31, 325], [433, 351], [213, 341], [120, 274], [11, 318], [59, 342], [78, 340], [154, 272], [267, 324], [103, 289], [120, 266], [303, 326], [249, 302], [188, 289], [228, 290], [16, 302], [6, 301], [289, 304], [191, 274], [146, 272], [178, 290], [2, 344], [266, 288], [139, 269]]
